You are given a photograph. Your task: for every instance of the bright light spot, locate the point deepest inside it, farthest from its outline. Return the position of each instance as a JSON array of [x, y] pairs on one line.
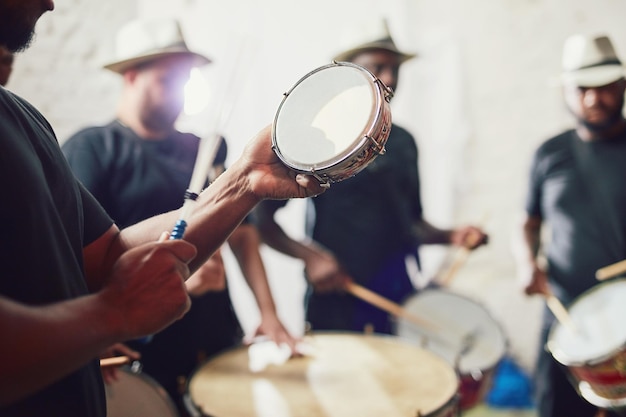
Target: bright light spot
[[197, 93]]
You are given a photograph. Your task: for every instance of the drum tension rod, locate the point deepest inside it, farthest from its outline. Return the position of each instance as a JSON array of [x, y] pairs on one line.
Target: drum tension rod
[[380, 149]]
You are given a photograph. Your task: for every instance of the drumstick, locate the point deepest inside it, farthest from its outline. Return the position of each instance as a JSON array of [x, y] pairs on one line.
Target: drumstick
[[460, 257], [385, 304], [610, 271], [560, 312], [114, 361], [208, 147]]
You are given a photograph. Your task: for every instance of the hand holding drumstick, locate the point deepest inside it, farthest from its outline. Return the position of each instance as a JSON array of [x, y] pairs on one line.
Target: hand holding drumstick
[[467, 239]]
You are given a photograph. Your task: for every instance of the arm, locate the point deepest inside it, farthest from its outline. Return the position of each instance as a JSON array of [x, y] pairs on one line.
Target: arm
[[533, 276], [144, 293], [321, 267], [469, 237], [245, 242]]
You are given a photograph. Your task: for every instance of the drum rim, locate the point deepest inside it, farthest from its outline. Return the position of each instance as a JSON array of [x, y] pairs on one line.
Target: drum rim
[[560, 356], [454, 399], [499, 326], [153, 383], [321, 167]]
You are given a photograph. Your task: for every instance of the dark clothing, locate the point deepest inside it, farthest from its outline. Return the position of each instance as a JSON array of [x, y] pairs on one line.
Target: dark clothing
[[366, 221], [135, 179], [576, 188], [47, 218]]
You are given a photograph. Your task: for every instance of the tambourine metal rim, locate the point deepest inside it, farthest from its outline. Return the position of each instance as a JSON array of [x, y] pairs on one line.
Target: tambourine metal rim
[[319, 169], [561, 356]]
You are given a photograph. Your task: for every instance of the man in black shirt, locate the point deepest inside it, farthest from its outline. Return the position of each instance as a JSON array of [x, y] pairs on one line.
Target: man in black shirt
[[577, 188], [72, 283]]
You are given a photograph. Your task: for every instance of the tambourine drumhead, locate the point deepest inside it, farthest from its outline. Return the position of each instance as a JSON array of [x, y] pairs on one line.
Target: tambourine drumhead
[[455, 318], [598, 317], [346, 375], [329, 117], [135, 394]]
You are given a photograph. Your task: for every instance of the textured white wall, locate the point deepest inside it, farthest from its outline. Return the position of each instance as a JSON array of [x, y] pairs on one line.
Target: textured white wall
[[478, 99]]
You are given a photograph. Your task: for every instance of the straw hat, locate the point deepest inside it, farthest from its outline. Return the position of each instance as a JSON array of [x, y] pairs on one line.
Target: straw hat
[[372, 36], [590, 61], [143, 40]]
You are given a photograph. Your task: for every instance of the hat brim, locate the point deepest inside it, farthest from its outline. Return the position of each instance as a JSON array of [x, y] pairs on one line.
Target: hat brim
[[351, 53], [123, 65], [594, 76]]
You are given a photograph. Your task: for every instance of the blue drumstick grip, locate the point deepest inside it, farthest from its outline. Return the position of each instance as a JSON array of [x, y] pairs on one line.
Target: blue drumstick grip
[[179, 230]]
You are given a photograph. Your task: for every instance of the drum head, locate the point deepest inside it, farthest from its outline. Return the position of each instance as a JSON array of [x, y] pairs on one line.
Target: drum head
[[346, 375], [462, 330], [325, 116], [138, 395], [597, 316]]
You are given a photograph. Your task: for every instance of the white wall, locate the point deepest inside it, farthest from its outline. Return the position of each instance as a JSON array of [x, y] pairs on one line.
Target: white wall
[[478, 99]]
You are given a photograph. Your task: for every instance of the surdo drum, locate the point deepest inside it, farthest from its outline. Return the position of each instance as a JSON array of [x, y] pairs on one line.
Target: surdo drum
[[464, 333], [333, 122], [345, 375], [593, 351]]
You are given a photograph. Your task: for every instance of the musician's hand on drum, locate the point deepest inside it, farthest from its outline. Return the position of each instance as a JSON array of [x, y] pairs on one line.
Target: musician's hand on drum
[[211, 276], [145, 291], [109, 373], [537, 283], [272, 328], [469, 237], [268, 177]]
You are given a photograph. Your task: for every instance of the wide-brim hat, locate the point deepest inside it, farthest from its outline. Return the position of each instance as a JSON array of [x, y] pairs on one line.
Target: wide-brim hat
[[590, 61], [144, 40], [368, 37]]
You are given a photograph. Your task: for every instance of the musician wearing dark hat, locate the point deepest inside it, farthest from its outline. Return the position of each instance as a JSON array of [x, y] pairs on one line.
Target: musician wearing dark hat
[[140, 165], [576, 191], [366, 228]]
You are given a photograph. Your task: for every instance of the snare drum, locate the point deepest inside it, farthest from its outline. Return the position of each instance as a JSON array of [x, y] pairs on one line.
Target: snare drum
[[345, 375], [463, 332], [594, 350], [333, 122], [135, 394]]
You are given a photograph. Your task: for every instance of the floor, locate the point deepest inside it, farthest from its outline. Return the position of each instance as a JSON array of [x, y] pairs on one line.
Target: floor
[[486, 411]]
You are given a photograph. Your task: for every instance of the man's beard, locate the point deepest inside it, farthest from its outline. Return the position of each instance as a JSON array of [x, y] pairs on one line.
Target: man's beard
[[599, 127], [14, 36]]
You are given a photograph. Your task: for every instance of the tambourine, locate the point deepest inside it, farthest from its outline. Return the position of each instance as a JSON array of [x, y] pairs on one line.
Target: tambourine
[[333, 122]]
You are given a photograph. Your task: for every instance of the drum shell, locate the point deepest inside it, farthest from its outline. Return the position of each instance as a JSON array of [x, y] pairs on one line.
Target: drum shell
[[364, 149], [331, 382]]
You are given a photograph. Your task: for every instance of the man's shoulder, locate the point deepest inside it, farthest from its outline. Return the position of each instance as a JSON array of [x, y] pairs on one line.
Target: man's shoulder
[[556, 143]]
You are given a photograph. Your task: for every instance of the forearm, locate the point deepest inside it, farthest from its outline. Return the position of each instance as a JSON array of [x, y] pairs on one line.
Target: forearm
[[218, 210], [245, 243], [431, 235], [49, 342]]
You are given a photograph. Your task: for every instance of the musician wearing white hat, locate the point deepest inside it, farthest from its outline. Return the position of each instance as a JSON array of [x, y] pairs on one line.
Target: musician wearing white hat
[[576, 189], [140, 165], [367, 228]]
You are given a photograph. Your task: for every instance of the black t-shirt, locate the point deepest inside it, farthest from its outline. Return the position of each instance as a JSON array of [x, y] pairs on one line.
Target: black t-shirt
[[575, 186], [47, 218]]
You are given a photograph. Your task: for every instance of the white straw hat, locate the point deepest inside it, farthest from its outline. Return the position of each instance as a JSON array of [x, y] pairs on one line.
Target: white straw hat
[[143, 40], [370, 36], [590, 61]]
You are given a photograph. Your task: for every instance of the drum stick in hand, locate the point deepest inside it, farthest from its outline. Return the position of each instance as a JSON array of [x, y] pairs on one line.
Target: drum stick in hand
[[610, 271], [560, 312], [385, 304], [114, 361]]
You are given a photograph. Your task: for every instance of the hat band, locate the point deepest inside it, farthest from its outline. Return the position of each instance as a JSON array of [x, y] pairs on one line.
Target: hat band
[[600, 64]]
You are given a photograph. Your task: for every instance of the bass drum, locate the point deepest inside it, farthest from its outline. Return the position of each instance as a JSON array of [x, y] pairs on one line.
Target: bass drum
[[343, 375], [463, 332], [136, 394]]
